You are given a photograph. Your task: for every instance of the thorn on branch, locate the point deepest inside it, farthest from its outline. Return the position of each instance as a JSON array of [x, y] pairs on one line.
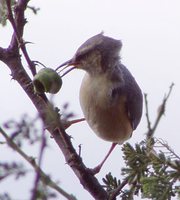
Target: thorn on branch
[[80, 147], [33, 9]]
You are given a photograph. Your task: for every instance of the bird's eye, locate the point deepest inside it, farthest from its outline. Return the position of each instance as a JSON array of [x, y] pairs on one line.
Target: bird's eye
[[81, 57]]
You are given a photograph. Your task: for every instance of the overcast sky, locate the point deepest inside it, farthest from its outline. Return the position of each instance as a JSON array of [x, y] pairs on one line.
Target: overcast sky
[[150, 33]]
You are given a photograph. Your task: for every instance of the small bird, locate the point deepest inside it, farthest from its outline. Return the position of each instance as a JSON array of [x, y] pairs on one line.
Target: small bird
[[110, 98]]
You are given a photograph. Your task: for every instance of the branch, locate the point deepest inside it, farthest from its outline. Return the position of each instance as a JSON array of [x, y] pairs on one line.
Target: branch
[[18, 24], [147, 113], [44, 178], [2, 54], [170, 150], [38, 175], [151, 130], [161, 112], [46, 111]]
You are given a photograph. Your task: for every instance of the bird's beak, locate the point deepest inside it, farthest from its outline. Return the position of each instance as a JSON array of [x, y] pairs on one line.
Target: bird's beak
[[67, 64]]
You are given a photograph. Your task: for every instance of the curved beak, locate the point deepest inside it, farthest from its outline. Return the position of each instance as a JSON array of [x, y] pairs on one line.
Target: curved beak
[[67, 64]]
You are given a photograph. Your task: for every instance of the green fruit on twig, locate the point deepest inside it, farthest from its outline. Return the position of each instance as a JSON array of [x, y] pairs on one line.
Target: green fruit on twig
[[47, 80]]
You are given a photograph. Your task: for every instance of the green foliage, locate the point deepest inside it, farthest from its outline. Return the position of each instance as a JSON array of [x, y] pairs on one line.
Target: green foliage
[[5, 196], [13, 168], [110, 182], [154, 175], [136, 160], [3, 13], [149, 172], [24, 129], [43, 192]]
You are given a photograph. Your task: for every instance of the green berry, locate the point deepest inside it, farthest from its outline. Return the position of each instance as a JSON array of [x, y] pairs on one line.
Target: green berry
[[47, 80]]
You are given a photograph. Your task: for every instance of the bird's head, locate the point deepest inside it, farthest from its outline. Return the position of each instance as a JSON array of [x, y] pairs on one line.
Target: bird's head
[[96, 55]]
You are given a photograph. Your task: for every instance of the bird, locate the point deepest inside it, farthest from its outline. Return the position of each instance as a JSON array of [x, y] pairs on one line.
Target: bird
[[110, 98]]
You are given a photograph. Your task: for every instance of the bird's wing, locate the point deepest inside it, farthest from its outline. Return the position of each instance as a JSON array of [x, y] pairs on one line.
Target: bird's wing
[[132, 93], [134, 107], [134, 99]]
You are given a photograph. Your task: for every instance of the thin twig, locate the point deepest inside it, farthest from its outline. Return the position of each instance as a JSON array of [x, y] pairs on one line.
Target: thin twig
[[165, 145], [38, 176], [85, 176], [18, 34], [161, 112], [12, 21], [44, 178], [12, 59], [40, 63], [147, 113], [34, 9]]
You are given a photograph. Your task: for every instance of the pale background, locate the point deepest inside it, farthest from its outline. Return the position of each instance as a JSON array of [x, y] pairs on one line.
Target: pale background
[[150, 32]]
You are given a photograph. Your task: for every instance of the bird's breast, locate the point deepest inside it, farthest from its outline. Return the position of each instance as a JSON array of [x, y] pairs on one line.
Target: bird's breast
[[109, 121]]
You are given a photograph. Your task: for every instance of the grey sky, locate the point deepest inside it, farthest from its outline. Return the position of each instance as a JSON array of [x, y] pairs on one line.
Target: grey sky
[[150, 32]]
